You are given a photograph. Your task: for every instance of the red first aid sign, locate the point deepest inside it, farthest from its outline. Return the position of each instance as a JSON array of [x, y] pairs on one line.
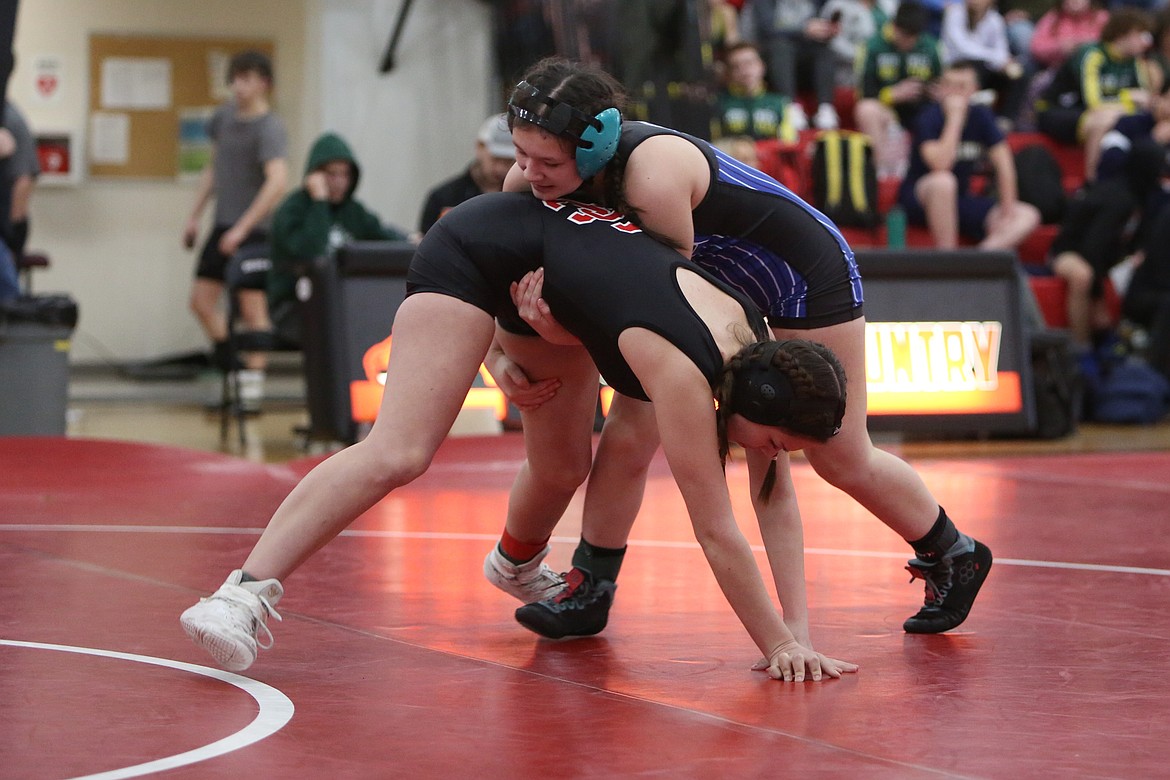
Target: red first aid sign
[[47, 85], [47, 78]]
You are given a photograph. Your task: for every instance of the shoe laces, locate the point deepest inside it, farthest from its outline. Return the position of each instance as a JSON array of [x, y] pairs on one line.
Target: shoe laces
[[539, 573], [937, 579], [256, 622], [263, 626], [576, 584]]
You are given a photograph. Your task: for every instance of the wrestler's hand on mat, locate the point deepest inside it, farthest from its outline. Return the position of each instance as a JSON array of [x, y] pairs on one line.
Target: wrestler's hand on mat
[[794, 662], [799, 629], [841, 665], [535, 310], [525, 394]]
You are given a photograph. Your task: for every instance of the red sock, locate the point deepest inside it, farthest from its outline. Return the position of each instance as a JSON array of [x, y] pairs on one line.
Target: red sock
[[520, 552]]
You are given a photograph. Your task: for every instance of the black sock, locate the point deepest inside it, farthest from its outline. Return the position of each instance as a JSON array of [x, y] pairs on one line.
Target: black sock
[[246, 577], [941, 537], [603, 563]]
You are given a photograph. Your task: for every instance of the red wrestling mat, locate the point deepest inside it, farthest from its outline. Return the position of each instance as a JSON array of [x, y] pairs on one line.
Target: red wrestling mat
[[401, 661]]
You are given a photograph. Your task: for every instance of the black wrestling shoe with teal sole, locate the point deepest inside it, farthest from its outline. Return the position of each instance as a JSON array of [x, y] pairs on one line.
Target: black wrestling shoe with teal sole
[[951, 587]]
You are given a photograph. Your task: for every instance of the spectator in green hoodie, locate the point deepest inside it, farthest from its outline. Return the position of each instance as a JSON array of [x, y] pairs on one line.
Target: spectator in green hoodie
[[319, 217]]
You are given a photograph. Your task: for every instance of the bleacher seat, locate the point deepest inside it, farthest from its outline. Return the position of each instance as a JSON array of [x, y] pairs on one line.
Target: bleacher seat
[[1050, 293], [1034, 249]]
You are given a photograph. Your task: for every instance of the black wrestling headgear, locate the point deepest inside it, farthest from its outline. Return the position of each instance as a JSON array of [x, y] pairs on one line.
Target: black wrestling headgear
[[762, 393]]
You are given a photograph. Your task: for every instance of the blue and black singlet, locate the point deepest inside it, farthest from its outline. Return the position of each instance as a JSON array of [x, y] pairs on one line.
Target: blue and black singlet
[[763, 240], [602, 276]]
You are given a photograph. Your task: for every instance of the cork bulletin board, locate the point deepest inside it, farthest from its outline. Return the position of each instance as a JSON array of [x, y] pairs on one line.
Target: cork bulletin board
[[148, 97]]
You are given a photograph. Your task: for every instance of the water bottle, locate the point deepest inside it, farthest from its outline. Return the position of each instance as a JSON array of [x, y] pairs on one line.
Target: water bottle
[[896, 227]]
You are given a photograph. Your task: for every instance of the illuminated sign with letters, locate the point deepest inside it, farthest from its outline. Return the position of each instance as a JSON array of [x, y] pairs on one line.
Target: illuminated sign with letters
[[938, 368], [946, 343]]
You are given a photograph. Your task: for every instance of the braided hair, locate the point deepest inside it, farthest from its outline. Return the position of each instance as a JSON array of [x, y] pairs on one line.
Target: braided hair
[[795, 384]]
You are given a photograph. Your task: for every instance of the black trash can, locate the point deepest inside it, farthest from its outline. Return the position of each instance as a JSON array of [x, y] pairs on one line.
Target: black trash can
[[35, 336]]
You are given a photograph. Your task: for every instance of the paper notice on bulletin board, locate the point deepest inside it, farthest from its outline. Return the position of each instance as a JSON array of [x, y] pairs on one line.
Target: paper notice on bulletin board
[[136, 83], [109, 138]]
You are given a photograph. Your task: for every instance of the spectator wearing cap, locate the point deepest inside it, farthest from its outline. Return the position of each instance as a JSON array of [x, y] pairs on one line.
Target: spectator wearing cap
[[494, 156]]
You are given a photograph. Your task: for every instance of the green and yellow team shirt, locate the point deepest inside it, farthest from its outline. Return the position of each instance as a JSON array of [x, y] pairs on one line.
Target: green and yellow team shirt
[[760, 116], [1091, 77], [881, 65]]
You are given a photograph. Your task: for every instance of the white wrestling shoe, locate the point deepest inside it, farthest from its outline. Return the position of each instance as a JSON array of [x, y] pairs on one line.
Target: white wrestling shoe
[[529, 582], [228, 623]]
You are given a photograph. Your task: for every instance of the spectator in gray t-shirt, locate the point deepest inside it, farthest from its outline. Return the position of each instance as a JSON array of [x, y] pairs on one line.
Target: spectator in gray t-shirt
[[247, 177]]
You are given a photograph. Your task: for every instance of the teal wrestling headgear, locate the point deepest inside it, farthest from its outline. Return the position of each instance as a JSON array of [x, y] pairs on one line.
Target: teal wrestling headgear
[[763, 393], [596, 137]]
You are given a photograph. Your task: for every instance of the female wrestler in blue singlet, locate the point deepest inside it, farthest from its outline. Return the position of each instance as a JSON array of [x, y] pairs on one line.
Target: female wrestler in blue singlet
[[659, 327], [796, 268]]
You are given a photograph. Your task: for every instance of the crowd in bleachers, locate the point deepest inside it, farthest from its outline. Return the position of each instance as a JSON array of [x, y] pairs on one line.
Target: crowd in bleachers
[[1084, 80]]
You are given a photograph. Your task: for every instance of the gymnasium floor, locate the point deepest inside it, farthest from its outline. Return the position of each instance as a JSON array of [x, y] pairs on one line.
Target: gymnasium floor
[[396, 659]]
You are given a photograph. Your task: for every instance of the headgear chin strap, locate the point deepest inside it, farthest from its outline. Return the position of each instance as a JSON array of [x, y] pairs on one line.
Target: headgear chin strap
[[596, 137], [763, 394]]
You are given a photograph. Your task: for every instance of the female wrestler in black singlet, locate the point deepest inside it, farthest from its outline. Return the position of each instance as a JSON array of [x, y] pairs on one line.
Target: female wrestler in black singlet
[[659, 327], [793, 264]]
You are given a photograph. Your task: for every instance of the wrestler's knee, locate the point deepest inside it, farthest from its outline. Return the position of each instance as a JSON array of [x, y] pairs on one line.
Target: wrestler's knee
[[628, 441], [564, 472], [393, 467], [843, 465]]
